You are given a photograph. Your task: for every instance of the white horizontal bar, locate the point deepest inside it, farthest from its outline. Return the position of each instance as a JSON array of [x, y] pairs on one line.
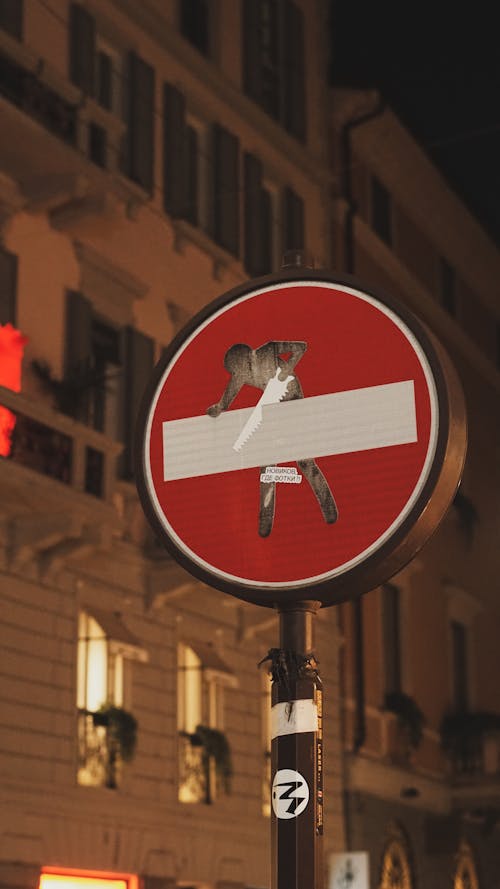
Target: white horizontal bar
[[340, 423], [293, 718]]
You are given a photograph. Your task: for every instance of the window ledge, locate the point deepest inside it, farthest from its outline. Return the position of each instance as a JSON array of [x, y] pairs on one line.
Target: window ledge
[[223, 261]]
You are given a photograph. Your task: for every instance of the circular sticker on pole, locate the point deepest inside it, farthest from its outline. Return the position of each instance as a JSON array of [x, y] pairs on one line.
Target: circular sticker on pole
[[289, 793], [301, 438]]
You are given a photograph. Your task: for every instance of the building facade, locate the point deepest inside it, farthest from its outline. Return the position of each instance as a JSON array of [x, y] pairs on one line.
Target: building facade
[[420, 701], [152, 156]]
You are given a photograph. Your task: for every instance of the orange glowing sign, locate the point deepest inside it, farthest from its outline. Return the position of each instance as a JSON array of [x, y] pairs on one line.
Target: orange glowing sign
[[12, 343], [73, 879]]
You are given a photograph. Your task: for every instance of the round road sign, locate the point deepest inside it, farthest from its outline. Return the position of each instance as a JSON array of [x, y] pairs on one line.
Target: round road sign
[[300, 439]]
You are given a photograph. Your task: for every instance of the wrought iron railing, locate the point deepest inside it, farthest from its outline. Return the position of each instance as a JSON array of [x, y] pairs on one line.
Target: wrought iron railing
[[93, 752], [53, 445], [27, 91]]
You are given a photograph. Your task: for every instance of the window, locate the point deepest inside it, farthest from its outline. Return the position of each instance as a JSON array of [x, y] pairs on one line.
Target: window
[[138, 158], [459, 659], [293, 221], [201, 679], [447, 288], [93, 365], [108, 76], [465, 874], [381, 208], [226, 229], [258, 214], [391, 623], [11, 17], [82, 38], [273, 59], [396, 870], [102, 363], [182, 176], [105, 648], [194, 24]]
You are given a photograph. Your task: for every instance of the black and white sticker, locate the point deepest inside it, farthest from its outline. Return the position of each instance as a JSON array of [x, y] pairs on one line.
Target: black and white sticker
[[289, 794]]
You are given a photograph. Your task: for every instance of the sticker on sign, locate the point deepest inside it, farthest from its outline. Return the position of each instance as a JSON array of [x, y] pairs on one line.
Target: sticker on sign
[[301, 438]]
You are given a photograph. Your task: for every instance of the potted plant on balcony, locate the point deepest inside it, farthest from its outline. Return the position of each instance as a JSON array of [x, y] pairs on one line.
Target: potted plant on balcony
[[121, 738], [70, 393], [410, 722], [215, 749]]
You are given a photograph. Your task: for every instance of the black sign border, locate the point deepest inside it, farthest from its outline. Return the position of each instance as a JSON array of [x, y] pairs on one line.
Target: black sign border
[[428, 510]]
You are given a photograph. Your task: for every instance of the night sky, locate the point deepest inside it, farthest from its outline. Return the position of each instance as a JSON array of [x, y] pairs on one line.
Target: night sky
[[439, 69]]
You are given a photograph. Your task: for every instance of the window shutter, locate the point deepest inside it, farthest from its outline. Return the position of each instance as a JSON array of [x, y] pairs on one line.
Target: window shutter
[[11, 17], [391, 623], [78, 342], [226, 190], [266, 235], [294, 117], [195, 23], [140, 142], [192, 152], [82, 48], [138, 362], [253, 200], [252, 73], [174, 152], [8, 287], [293, 221]]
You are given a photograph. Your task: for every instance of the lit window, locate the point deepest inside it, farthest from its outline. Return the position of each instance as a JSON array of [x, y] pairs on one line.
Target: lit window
[[466, 874], [105, 648], [204, 758], [396, 870]]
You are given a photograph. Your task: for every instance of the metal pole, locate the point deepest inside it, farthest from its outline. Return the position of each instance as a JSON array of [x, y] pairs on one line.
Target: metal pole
[[296, 754]]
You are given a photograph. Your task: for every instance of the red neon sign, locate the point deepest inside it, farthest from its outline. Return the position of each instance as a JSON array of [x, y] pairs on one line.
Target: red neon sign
[[12, 343]]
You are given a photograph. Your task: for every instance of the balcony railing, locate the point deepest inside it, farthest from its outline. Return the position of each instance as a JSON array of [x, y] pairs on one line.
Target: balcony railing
[[28, 92], [471, 741], [93, 753], [52, 445]]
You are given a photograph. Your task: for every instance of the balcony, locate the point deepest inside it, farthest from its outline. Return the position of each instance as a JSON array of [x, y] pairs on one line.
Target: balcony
[[57, 478], [60, 146], [472, 744], [56, 447]]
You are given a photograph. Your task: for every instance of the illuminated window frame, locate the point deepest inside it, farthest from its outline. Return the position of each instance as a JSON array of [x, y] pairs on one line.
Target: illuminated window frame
[[395, 870], [466, 873], [105, 647], [201, 680]]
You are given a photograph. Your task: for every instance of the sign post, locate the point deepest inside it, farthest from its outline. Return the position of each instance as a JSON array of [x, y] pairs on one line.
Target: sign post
[[296, 754], [298, 443]]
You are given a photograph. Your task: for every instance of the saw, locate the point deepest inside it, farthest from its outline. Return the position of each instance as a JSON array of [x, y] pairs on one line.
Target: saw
[[274, 392]]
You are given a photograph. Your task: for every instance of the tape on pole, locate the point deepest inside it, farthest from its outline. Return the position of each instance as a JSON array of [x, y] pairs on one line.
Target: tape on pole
[[293, 718]]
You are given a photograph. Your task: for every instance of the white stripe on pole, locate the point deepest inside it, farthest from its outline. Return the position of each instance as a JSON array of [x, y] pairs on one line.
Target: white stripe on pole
[[340, 423], [293, 718]]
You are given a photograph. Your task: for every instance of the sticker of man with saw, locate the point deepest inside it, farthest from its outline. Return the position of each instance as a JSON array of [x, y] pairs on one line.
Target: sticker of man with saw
[[270, 368]]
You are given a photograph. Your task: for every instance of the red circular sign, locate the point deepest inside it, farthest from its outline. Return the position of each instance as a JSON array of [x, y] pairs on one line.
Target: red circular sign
[[292, 435]]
